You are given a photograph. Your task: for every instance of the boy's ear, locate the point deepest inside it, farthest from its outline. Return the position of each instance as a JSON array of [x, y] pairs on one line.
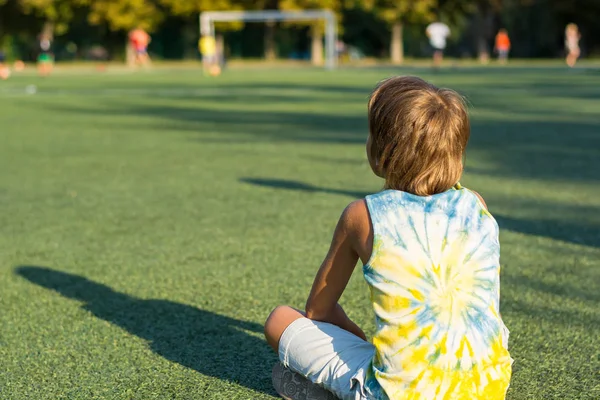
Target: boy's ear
[[379, 170], [378, 167]]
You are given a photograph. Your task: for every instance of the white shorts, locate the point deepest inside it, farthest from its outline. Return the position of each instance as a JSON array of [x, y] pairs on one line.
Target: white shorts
[[328, 356]]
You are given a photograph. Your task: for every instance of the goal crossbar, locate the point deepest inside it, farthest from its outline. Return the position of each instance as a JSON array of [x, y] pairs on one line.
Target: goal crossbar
[[208, 18]]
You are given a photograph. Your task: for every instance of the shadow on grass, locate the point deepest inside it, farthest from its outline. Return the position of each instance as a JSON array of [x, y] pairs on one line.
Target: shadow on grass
[[532, 139], [297, 185], [572, 232], [583, 293], [212, 344]]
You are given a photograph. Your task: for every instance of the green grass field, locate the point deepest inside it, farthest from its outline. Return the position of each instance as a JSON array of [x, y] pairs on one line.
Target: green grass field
[[151, 221]]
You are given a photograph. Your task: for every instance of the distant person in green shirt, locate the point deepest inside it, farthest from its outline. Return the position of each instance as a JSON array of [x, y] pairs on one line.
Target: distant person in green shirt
[[45, 59]]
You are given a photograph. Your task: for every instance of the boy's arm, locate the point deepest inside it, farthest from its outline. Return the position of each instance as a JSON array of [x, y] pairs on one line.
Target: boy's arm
[[335, 272]]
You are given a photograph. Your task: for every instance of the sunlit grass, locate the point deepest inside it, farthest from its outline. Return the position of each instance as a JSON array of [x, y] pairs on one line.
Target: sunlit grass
[[151, 221]]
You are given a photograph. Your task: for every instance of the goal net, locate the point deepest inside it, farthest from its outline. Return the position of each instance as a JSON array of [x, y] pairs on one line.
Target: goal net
[[208, 19]]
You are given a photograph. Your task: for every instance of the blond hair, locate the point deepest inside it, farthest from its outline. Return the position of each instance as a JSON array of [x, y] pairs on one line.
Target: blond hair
[[419, 134]]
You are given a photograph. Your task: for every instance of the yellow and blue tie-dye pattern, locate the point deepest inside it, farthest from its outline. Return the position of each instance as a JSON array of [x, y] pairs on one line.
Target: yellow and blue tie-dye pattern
[[434, 280]]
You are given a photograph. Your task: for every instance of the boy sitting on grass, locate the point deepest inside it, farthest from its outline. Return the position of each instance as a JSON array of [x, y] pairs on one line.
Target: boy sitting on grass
[[430, 255]]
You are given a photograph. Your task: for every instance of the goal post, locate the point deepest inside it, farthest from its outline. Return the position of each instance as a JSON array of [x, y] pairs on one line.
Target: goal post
[[208, 19]]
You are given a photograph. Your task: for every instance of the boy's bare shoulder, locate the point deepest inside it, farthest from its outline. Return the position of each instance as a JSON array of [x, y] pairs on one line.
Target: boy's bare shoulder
[[480, 198], [357, 223], [355, 213]]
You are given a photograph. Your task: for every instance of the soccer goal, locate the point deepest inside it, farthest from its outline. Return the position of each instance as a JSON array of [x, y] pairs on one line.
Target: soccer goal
[[208, 19]]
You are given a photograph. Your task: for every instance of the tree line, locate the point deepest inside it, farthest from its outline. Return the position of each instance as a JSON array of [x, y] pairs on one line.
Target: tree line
[[379, 28]]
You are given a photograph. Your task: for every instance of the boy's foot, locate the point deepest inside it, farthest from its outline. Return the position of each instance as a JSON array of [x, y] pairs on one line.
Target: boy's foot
[[293, 386]]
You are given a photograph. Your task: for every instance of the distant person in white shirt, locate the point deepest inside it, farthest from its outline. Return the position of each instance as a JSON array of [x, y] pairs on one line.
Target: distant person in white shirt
[[572, 37], [437, 33]]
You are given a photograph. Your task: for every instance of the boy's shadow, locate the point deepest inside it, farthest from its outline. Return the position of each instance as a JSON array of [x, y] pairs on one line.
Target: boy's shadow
[[211, 344], [300, 186]]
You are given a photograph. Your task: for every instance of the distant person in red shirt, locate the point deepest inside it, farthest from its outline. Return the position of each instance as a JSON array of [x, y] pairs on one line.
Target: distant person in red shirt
[[139, 40], [502, 46]]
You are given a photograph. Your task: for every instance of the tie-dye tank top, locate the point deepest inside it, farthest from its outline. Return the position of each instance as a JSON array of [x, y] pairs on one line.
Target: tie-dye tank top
[[434, 280]]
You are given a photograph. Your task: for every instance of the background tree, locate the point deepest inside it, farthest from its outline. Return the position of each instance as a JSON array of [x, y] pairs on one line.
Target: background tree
[[316, 28], [486, 12], [56, 14], [536, 27], [270, 27], [190, 9], [396, 13], [124, 15]]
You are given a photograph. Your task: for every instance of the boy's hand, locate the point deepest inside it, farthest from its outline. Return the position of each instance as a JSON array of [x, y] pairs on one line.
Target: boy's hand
[[343, 321], [338, 317]]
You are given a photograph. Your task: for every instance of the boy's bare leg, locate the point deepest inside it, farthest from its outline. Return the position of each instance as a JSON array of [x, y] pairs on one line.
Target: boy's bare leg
[[279, 319], [289, 384], [437, 58]]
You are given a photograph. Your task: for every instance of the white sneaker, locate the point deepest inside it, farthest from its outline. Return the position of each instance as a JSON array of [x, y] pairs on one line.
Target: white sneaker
[[293, 386]]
